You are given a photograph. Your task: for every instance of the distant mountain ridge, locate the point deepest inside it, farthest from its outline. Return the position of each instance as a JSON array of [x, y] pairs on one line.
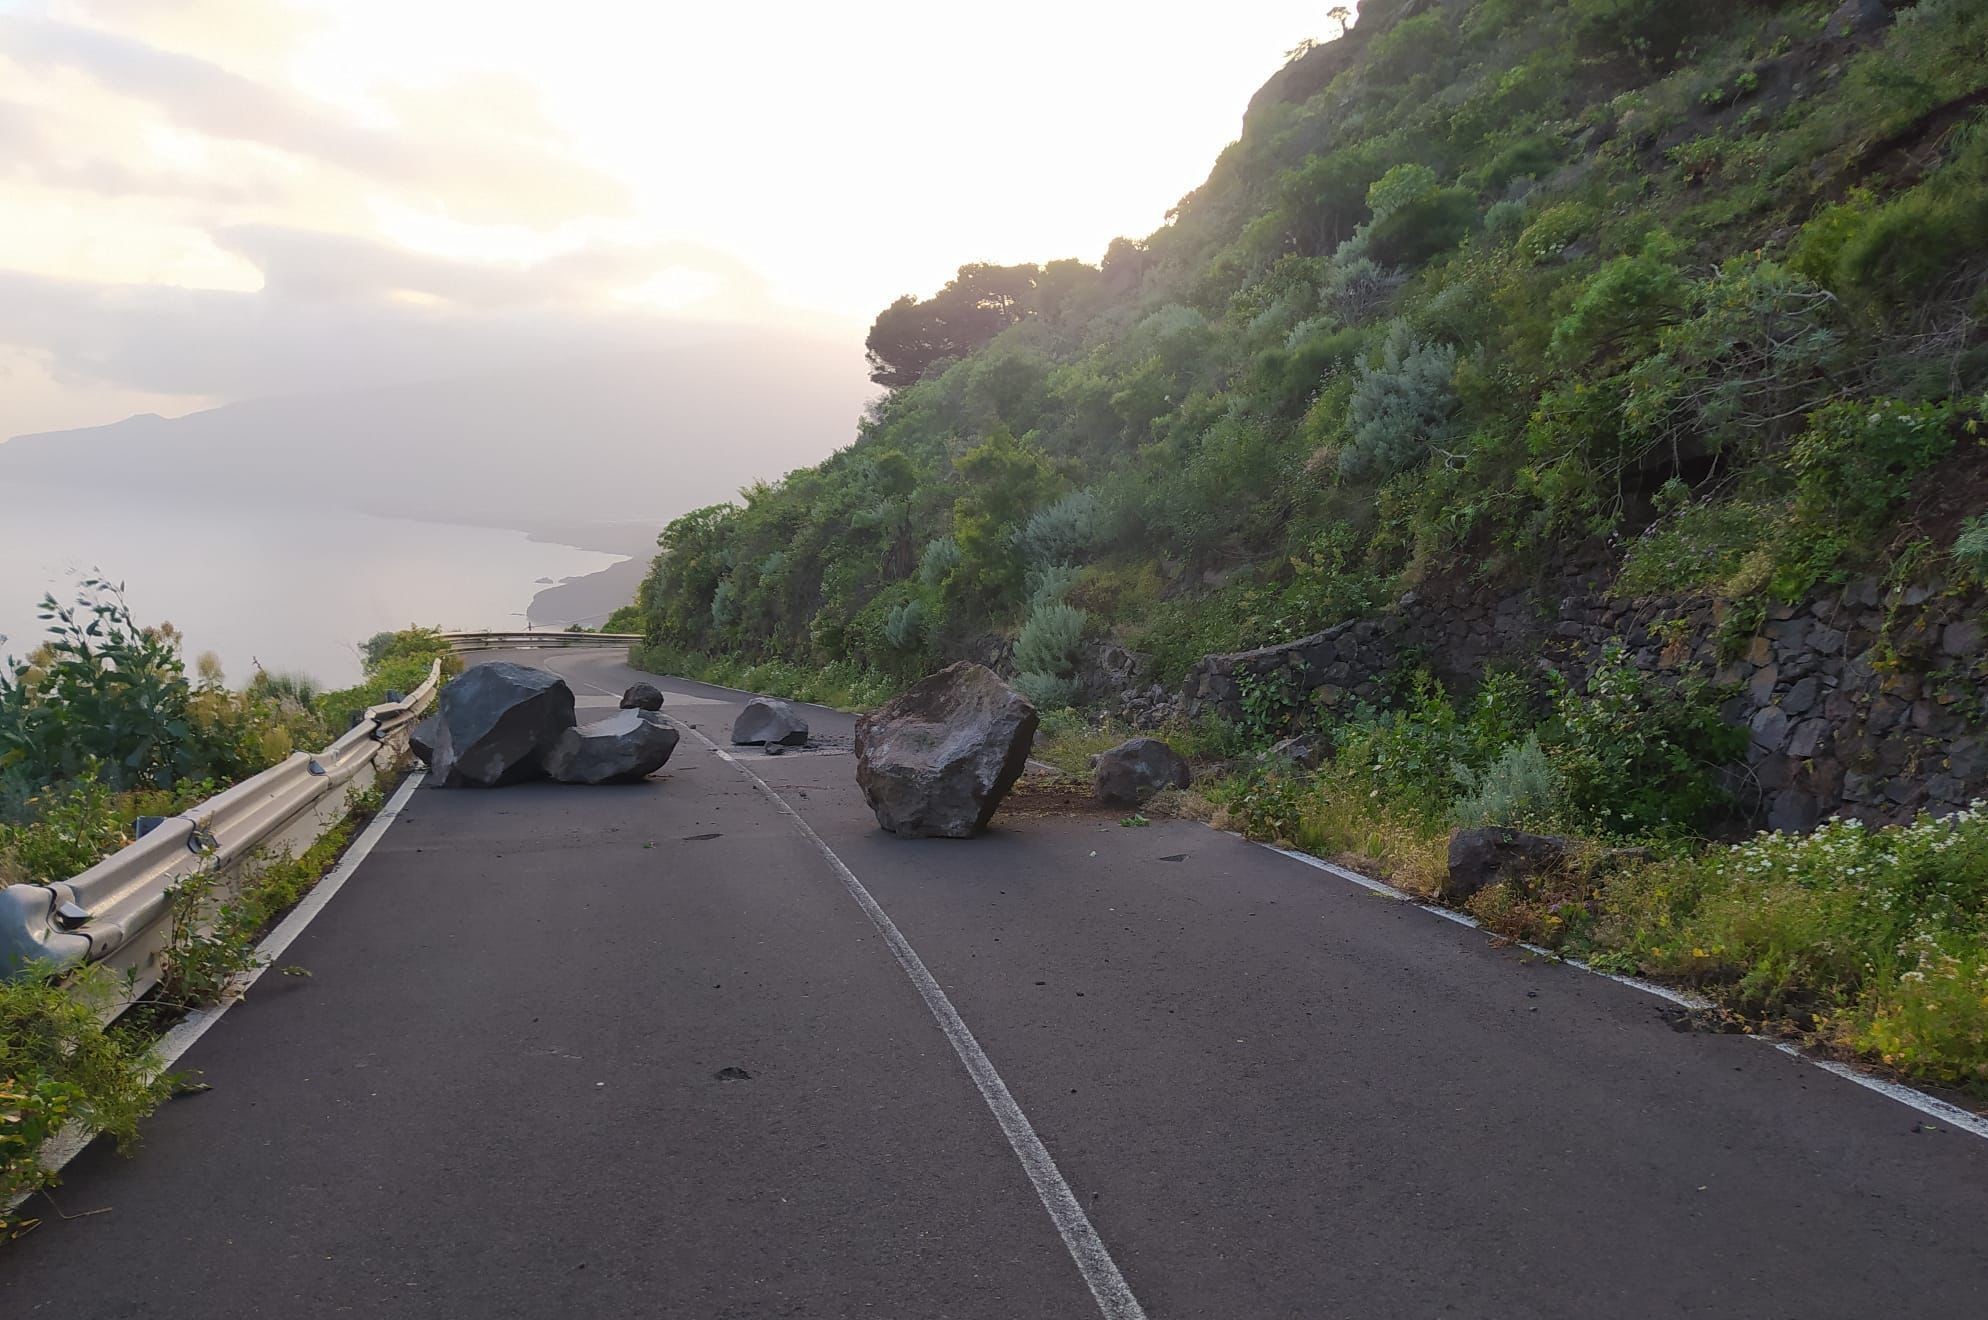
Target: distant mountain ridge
[[606, 438]]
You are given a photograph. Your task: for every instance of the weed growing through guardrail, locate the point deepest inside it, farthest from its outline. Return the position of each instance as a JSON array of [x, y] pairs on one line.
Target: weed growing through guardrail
[[215, 930], [58, 1067]]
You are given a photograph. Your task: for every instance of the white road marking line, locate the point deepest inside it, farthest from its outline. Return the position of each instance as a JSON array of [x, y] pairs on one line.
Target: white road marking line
[[65, 1145], [1114, 1297], [1912, 1098]]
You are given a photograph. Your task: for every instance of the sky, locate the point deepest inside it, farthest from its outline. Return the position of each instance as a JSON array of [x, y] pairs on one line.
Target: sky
[[208, 200]]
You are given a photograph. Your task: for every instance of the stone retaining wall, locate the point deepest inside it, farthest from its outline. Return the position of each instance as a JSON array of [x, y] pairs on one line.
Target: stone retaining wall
[[1861, 701]]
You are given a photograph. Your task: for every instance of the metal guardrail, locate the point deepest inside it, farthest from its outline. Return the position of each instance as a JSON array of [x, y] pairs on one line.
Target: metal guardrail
[[533, 641], [119, 912]]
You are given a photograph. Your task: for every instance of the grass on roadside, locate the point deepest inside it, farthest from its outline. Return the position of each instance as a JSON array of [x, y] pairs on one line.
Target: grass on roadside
[[840, 686]]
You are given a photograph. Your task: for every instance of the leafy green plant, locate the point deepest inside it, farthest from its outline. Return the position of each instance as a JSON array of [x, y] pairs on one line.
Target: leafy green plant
[[1858, 458], [1970, 548], [106, 698], [58, 1067], [1637, 758], [1522, 788], [1401, 407]]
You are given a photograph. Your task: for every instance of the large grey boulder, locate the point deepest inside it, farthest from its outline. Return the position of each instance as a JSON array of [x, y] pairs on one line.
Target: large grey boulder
[[765, 721], [642, 696], [627, 746], [936, 760], [1480, 858], [493, 725], [1134, 770]]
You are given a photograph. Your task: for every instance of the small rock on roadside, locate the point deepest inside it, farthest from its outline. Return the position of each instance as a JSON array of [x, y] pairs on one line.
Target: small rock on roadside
[[1480, 858], [1136, 769]]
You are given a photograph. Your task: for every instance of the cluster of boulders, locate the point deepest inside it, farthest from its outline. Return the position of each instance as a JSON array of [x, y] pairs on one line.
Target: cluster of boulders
[[934, 762], [501, 723]]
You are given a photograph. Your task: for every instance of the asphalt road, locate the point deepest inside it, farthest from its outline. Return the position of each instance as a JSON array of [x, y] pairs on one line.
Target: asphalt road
[[511, 1087]]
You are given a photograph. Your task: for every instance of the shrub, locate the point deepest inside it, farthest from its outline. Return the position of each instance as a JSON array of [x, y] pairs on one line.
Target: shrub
[[394, 662], [1555, 228], [1750, 354], [1047, 585], [907, 625], [1051, 641], [1414, 218], [1412, 46], [1063, 531], [937, 561], [1622, 307], [1046, 691], [1640, 758], [1400, 407], [107, 698], [58, 1067], [1970, 548], [1354, 290], [1704, 546], [1520, 789], [1858, 458], [67, 830], [1650, 31]]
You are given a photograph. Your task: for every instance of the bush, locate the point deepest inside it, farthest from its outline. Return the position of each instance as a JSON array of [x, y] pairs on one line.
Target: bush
[[1858, 458], [1702, 547], [1520, 789], [1877, 935], [1970, 548], [937, 561], [907, 625], [106, 698], [1650, 31], [394, 662], [1400, 407], [1063, 531], [1637, 757], [1047, 692], [58, 1067], [1051, 641], [66, 830]]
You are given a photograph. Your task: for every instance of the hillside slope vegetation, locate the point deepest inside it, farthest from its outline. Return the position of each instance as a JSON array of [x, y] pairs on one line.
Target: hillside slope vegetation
[[1682, 295]]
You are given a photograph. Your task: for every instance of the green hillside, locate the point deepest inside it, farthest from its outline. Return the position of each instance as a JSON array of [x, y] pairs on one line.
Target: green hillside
[[1679, 294]]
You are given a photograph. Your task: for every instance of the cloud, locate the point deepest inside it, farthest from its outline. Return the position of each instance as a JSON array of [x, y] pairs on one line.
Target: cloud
[[341, 312], [29, 151], [442, 156]]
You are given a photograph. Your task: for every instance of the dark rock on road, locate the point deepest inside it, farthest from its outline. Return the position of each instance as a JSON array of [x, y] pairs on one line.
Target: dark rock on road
[[642, 696], [494, 724], [628, 746], [765, 722], [936, 760], [1134, 770]]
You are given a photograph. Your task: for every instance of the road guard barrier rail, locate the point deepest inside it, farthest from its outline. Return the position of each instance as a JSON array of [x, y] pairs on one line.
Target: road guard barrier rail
[[119, 913]]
